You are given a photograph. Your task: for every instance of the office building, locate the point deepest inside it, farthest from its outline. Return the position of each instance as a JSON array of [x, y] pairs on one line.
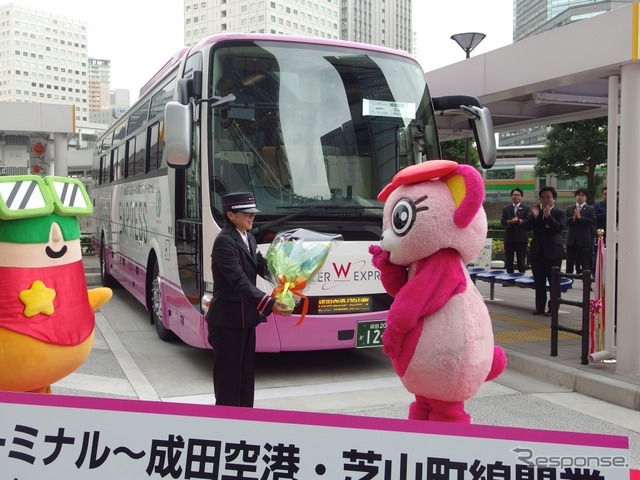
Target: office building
[[43, 58], [105, 105], [99, 84], [531, 17], [379, 22]]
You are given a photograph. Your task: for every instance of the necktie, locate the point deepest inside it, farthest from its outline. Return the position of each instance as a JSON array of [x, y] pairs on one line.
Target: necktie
[[515, 210]]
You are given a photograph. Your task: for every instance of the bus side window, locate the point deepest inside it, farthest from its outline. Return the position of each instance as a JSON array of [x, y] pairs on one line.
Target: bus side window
[[161, 144], [102, 174], [121, 165], [138, 118], [112, 164], [161, 98], [156, 146], [141, 153], [130, 157], [121, 132]]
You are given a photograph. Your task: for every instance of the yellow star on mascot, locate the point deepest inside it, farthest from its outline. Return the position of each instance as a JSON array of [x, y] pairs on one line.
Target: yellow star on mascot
[[46, 312]]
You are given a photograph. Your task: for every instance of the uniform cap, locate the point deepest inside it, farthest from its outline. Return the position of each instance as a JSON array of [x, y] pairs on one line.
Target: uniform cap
[[239, 202]]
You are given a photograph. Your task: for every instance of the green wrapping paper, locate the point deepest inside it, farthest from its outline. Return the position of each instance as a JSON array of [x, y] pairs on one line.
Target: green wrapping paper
[[294, 259]]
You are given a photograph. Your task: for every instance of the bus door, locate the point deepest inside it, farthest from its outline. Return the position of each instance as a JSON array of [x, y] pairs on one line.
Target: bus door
[[188, 190], [188, 197]]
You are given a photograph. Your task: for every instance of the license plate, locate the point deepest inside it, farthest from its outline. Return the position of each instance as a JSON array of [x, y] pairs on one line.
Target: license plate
[[369, 334]]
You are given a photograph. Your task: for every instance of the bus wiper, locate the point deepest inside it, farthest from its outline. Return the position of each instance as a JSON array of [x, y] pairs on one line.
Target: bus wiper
[[286, 218], [278, 221], [334, 206]]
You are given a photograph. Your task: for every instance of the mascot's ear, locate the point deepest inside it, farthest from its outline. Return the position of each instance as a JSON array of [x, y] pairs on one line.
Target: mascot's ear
[[467, 188]]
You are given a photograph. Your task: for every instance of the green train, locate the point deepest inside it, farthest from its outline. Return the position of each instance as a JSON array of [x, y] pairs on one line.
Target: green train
[[509, 173]]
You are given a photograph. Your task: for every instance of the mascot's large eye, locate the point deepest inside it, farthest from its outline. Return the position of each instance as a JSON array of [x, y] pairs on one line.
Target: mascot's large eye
[[403, 216]]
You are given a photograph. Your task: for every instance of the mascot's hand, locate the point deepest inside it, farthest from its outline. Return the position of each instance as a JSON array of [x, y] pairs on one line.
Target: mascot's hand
[[393, 276], [380, 257]]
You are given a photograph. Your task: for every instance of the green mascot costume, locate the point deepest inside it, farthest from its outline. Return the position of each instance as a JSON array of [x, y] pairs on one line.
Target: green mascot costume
[[46, 312]]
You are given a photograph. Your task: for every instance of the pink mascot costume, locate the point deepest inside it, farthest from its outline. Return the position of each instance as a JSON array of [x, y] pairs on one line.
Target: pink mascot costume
[[438, 334]]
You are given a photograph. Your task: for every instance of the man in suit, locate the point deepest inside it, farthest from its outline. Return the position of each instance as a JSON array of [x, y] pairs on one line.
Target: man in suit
[[514, 218], [600, 211], [237, 306], [581, 233], [546, 251]]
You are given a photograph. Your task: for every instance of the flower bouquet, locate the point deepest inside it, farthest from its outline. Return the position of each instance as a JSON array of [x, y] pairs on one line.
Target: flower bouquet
[[293, 260]]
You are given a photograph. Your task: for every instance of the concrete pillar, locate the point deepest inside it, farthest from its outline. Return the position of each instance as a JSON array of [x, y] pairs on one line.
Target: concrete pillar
[[610, 278], [628, 332], [60, 160]]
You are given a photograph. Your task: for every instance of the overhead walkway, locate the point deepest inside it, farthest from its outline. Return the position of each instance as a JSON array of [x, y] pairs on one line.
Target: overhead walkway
[[40, 129]]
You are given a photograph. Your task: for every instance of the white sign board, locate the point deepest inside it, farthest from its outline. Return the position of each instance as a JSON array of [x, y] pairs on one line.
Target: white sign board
[[14, 156], [381, 108], [57, 437], [484, 257]]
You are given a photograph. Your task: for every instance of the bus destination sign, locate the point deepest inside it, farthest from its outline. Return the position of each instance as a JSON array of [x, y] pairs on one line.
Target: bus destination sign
[[358, 304]]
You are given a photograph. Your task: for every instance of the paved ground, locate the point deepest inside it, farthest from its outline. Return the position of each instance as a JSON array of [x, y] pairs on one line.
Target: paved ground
[[527, 341], [562, 395]]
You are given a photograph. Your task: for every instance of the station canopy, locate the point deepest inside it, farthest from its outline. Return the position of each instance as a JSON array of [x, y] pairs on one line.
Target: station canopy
[[557, 76]]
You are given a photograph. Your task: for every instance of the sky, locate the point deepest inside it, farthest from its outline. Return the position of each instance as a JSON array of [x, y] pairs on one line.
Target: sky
[[436, 20], [139, 36]]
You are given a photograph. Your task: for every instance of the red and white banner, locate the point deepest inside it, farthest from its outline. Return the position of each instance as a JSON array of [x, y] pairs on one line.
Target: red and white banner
[[58, 437], [597, 303]]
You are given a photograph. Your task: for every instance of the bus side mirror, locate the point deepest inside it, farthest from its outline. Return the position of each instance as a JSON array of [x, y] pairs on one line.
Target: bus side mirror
[[178, 131], [479, 120], [482, 126]]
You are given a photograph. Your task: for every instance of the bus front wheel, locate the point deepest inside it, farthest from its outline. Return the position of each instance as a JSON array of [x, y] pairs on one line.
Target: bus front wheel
[[156, 308], [106, 279]]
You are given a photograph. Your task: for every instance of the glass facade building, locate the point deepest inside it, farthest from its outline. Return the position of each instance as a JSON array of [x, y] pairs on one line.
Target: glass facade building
[[536, 16]]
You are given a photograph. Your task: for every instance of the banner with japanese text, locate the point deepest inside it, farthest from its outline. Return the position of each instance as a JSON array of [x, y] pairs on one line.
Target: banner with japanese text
[[59, 437]]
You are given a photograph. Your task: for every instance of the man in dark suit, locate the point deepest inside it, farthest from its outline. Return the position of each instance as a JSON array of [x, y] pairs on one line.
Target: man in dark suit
[[581, 233], [600, 211], [514, 218], [546, 251], [237, 306]]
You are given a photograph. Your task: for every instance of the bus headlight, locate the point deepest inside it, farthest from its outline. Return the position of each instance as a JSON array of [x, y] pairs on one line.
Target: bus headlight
[[205, 302]]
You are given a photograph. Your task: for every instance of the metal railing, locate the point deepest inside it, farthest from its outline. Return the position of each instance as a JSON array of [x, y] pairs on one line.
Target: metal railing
[[554, 304]]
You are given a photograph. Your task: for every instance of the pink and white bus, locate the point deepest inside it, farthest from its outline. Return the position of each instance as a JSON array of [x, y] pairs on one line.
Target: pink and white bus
[[314, 128]]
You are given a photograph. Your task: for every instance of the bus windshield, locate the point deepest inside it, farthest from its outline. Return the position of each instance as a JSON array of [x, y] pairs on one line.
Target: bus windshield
[[315, 127]]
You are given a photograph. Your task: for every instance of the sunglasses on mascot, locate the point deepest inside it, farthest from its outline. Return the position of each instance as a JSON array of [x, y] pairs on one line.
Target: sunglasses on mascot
[[29, 196]]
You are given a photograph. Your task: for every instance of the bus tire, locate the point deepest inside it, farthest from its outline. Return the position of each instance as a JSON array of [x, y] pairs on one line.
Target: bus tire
[[155, 307], [105, 279]]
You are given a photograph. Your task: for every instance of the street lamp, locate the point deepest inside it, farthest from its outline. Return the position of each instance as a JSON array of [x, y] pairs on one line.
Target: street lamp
[[467, 41]]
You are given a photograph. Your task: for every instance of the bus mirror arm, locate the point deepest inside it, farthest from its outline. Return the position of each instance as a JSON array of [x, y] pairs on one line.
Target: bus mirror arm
[[453, 102], [215, 102]]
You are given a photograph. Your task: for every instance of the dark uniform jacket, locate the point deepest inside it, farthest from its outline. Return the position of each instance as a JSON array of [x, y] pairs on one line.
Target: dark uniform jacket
[[515, 233], [237, 302], [547, 234], [600, 211], [581, 232]]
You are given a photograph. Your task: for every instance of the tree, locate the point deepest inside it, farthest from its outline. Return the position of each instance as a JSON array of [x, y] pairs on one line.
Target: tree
[[576, 149], [454, 150]]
